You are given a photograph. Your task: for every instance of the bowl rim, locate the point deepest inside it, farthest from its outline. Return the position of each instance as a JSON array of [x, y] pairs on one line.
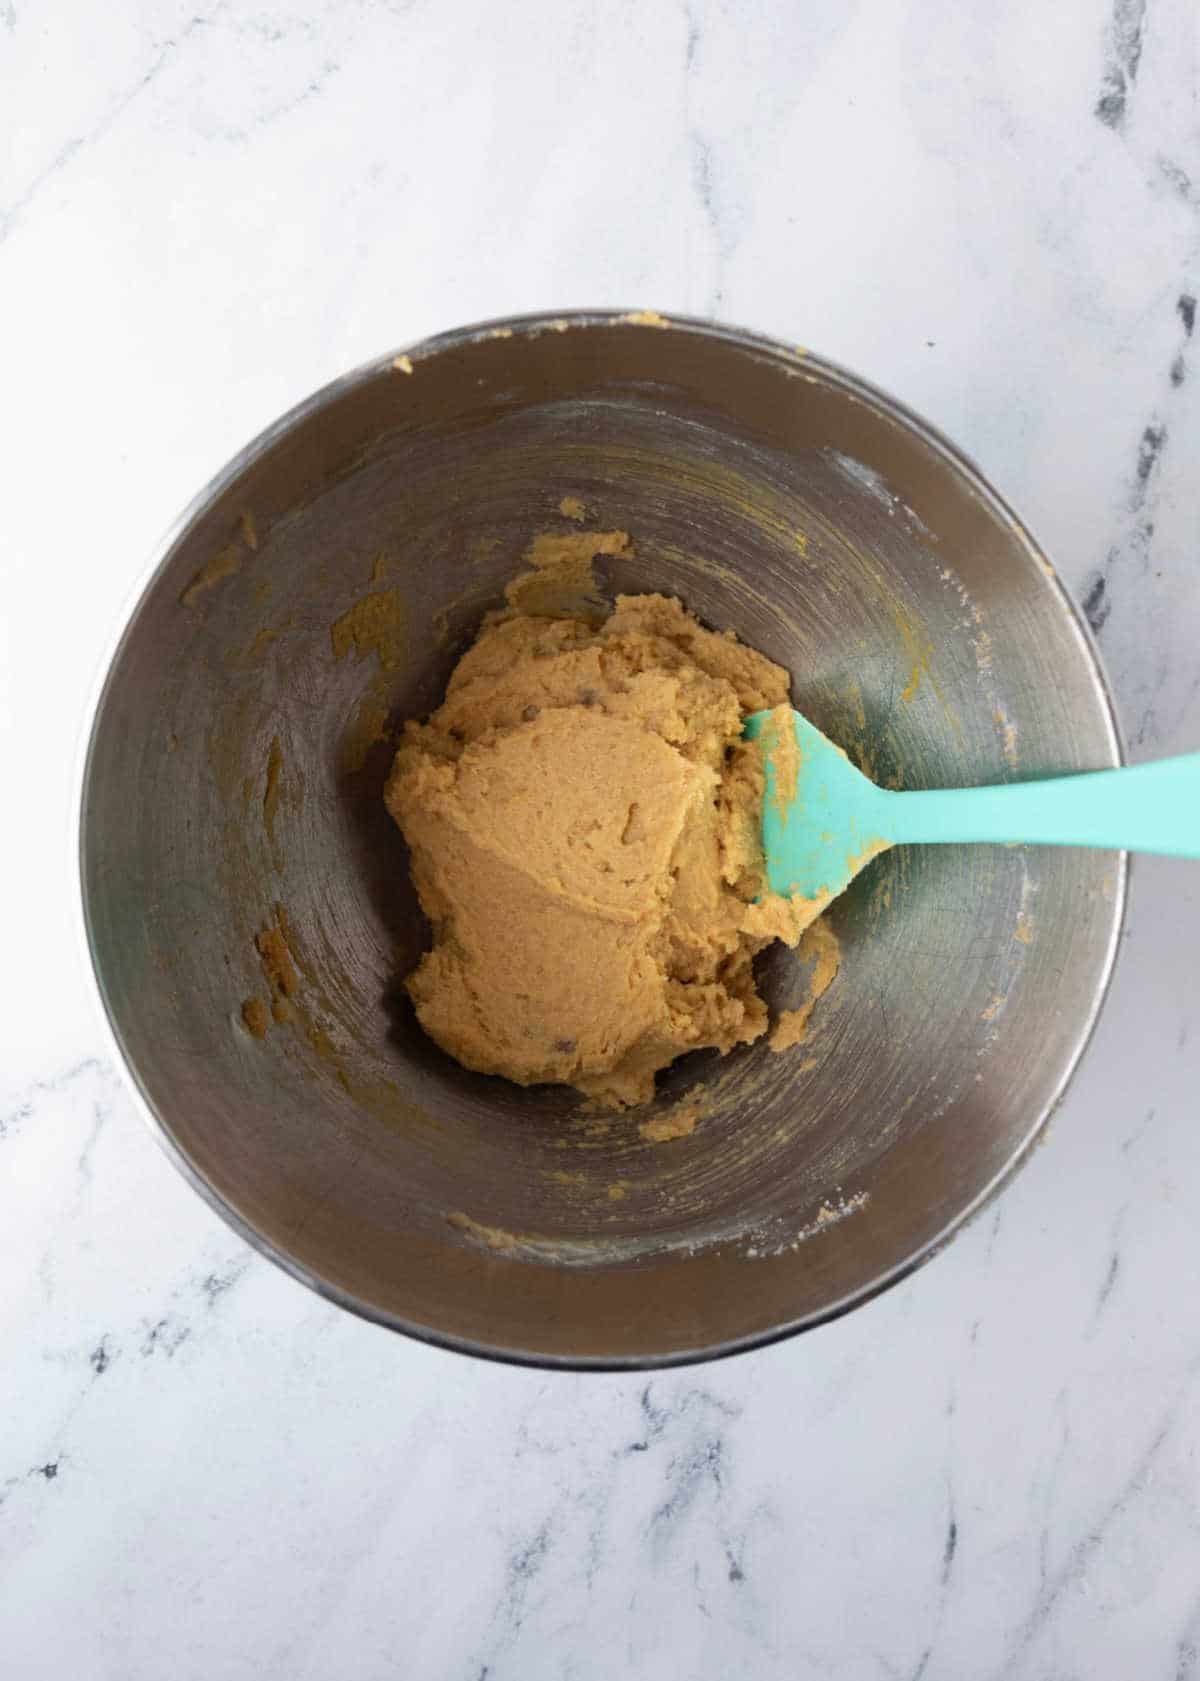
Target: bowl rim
[[533, 325]]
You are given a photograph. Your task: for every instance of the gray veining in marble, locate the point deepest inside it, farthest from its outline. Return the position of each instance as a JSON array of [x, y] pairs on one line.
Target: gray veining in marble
[[994, 212]]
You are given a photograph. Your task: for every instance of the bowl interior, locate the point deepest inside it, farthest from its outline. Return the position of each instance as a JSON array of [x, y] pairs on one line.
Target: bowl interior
[[321, 592]]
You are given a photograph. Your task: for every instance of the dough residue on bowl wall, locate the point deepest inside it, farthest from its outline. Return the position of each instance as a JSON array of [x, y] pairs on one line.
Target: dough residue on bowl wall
[[819, 947], [583, 817]]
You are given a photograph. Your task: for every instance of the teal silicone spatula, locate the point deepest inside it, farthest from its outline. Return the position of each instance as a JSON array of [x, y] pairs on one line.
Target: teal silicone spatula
[[823, 820]]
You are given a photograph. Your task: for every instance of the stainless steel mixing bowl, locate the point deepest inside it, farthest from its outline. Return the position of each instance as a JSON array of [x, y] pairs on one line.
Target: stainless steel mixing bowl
[[233, 786]]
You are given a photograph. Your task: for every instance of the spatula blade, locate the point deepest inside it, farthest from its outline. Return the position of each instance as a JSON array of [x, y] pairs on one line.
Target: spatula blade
[[822, 819]]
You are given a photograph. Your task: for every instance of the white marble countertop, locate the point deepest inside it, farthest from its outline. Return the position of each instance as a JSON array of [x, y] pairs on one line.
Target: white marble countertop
[[992, 211]]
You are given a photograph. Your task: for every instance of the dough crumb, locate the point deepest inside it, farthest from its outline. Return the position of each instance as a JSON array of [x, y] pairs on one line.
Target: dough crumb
[[402, 364], [278, 967], [256, 1017], [676, 1123], [572, 507]]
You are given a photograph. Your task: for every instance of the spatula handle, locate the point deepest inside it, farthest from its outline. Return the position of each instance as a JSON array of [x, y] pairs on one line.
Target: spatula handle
[[1148, 808]]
